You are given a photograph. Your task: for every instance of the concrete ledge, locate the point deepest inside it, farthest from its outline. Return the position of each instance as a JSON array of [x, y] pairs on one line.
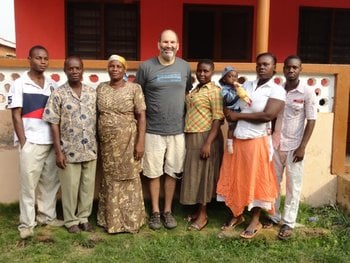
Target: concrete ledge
[[343, 193]]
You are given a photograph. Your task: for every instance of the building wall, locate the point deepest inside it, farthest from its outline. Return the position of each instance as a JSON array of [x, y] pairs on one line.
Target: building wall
[[319, 187], [320, 183], [43, 22], [40, 22], [157, 15], [284, 23], [7, 52]]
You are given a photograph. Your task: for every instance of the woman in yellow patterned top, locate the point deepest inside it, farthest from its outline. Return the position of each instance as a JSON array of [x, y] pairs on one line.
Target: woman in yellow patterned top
[[121, 129], [204, 144]]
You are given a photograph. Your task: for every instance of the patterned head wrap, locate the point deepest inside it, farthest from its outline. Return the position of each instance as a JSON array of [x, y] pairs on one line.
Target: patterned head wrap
[[118, 58]]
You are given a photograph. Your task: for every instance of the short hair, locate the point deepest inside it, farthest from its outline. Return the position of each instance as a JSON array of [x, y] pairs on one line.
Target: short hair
[[292, 57], [207, 62], [268, 54], [73, 57], [31, 50], [161, 34]]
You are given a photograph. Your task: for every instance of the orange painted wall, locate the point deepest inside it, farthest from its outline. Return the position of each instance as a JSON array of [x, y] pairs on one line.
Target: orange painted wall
[[40, 22], [43, 22]]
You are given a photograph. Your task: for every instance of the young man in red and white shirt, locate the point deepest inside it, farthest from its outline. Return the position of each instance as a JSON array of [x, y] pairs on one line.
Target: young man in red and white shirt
[[290, 139], [38, 172]]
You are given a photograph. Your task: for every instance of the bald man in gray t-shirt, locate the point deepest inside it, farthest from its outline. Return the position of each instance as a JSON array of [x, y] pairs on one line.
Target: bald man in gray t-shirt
[[165, 80]]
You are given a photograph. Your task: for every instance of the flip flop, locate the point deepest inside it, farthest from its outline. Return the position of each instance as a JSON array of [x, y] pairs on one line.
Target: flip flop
[[248, 234], [190, 218], [285, 232], [230, 225], [269, 223], [196, 227]]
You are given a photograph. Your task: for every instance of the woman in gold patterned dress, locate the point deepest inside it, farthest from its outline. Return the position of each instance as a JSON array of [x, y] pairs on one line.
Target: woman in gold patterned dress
[[121, 129]]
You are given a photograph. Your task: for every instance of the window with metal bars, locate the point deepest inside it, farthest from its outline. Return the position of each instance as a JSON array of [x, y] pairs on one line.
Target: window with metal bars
[[218, 32], [324, 35], [95, 30]]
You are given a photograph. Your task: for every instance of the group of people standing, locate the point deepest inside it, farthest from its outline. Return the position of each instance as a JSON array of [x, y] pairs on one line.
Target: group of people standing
[[163, 127]]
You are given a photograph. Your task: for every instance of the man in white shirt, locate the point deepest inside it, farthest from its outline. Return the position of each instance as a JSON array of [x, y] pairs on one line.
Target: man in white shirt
[[290, 139], [38, 172]]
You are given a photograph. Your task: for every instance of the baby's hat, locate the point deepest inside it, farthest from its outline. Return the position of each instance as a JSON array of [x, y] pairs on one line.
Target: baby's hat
[[226, 70]]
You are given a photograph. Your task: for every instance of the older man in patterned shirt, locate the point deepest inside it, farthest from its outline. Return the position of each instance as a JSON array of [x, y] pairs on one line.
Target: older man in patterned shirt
[[71, 111]]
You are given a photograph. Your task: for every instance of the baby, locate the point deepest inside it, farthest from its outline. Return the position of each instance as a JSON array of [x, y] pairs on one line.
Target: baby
[[231, 92]]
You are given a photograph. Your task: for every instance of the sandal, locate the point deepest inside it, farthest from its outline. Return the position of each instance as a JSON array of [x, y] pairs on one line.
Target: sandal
[[190, 218], [196, 227], [269, 223], [285, 232], [233, 223], [248, 234]]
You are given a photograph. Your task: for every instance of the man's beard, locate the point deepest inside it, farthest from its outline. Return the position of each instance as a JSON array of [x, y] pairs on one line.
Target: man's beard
[[166, 55]]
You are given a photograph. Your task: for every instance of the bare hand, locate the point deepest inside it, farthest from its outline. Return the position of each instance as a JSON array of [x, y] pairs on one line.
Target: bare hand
[[298, 154], [139, 151], [61, 160], [230, 115], [205, 151], [227, 114], [22, 144]]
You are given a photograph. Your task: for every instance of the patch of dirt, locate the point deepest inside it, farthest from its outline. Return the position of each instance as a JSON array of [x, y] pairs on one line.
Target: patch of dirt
[[22, 243], [272, 233], [46, 239], [45, 236], [96, 238], [313, 232], [91, 242]]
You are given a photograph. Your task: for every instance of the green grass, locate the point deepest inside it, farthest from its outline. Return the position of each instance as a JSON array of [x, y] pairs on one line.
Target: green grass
[[327, 239]]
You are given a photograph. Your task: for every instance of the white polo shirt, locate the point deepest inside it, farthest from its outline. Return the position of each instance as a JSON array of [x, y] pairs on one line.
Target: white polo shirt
[[27, 95], [259, 97]]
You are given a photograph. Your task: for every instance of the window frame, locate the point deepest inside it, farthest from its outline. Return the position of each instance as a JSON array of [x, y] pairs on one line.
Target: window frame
[[102, 40], [331, 45], [217, 41]]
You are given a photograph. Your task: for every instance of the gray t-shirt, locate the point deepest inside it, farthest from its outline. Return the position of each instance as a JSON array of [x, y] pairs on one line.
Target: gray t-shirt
[[164, 88]]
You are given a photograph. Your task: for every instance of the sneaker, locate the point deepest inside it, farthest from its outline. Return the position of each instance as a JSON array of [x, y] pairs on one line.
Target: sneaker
[[55, 223], [154, 221], [25, 233], [169, 220]]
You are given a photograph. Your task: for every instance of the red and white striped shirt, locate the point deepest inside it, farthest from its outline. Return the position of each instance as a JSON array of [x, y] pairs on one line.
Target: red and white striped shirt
[[289, 128]]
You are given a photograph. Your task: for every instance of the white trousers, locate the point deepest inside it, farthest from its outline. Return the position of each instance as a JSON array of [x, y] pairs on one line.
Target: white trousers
[[39, 182], [294, 172]]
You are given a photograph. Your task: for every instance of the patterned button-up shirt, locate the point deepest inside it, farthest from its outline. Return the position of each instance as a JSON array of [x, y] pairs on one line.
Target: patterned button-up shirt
[[204, 105], [77, 120], [289, 128]]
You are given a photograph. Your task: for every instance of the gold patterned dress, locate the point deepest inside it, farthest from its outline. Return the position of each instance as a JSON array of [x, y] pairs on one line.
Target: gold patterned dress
[[121, 207]]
